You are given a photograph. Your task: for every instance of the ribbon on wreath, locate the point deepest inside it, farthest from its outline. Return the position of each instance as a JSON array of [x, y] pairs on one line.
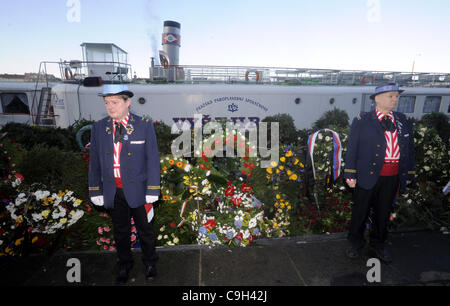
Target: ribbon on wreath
[[183, 207], [337, 152]]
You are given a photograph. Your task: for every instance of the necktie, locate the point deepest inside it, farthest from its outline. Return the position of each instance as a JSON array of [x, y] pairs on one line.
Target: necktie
[[118, 134], [387, 124]]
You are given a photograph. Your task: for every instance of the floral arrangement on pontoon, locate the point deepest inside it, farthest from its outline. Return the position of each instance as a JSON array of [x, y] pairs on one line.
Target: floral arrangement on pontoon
[[236, 218], [44, 211]]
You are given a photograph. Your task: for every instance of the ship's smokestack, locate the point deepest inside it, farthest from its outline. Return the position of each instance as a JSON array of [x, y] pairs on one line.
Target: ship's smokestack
[[171, 41]]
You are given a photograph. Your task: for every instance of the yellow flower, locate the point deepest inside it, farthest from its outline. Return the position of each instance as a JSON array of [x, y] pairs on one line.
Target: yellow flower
[[278, 196], [275, 225], [45, 213], [60, 193], [296, 161], [19, 241], [273, 163], [289, 153], [269, 170], [35, 238], [289, 172], [301, 165], [282, 159], [63, 220], [293, 177], [281, 168], [19, 220]]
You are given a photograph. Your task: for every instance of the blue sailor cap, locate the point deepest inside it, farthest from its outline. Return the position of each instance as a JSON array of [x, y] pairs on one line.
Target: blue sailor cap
[[115, 89], [386, 88]]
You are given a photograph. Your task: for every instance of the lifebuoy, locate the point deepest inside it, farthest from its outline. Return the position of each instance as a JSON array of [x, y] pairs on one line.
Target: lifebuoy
[[79, 136], [363, 80], [256, 75]]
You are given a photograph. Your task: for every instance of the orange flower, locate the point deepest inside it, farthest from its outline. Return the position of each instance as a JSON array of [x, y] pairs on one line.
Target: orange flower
[[171, 161], [179, 164]]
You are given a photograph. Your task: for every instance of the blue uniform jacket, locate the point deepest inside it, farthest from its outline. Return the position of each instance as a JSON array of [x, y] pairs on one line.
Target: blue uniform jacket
[[366, 149], [139, 161]]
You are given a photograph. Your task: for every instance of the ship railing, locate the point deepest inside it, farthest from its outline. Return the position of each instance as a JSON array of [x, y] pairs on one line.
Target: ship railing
[[109, 71], [293, 76]]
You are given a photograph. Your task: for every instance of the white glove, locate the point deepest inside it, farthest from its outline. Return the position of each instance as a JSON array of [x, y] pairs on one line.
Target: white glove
[[98, 200], [150, 198]]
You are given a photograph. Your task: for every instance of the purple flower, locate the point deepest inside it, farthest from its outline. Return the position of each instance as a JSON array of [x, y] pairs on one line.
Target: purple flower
[[213, 236], [238, 223], [203, 230]]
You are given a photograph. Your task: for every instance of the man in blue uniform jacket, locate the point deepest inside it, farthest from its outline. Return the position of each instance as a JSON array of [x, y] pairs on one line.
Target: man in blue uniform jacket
[[124, 176], [379, 161]]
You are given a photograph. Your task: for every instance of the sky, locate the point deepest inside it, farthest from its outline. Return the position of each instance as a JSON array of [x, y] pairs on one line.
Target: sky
[[381, 35]]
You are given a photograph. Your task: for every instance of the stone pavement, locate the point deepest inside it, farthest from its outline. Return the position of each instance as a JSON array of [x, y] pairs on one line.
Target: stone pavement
[[420, 258]]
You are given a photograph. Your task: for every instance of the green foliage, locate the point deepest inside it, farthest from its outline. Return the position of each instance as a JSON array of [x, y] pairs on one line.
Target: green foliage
[[438, 121], [332, 119], [53, 167], [293, 203], [288, 132], [30, 136]]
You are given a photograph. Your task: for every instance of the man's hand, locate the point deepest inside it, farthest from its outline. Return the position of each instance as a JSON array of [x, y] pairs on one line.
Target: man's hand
[[98, 200], [151, 199], [351, 182]]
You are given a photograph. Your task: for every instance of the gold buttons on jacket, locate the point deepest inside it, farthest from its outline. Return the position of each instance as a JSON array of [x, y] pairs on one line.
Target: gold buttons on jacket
[[374, 164], [378, 145], [129, 154], [371, 172]]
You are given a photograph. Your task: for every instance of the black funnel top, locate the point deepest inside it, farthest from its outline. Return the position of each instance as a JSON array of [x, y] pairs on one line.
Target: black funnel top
[[172, 24]]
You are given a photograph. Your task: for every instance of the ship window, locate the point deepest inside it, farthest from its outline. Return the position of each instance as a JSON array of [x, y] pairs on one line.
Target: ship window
[[15, 103], [406, 104], [432, 104]]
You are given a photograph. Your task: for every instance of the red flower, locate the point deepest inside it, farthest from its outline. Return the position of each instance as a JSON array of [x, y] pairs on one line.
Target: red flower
[[210, 224], [172, 224], [236, 200], [246, 188], [230, 191]]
